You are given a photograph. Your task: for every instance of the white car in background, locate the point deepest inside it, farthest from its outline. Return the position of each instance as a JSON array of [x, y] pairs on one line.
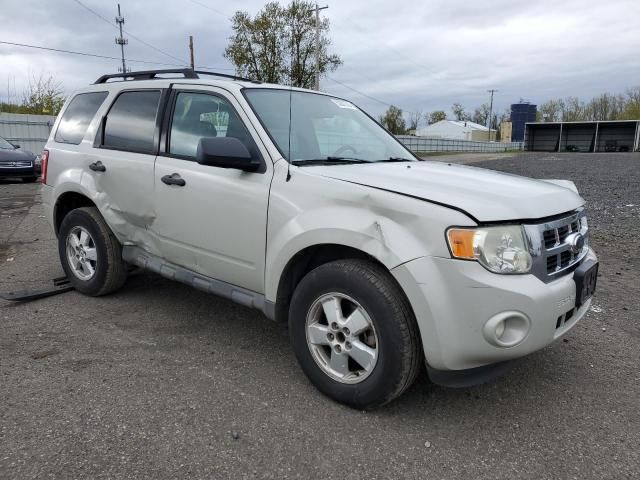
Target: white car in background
[[299, 204]]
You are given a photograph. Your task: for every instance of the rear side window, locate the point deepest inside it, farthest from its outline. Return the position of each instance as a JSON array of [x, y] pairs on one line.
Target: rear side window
[[131, 122], [77, 117]]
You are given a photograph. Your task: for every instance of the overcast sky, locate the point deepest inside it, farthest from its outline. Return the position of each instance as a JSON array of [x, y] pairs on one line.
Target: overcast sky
[[421, 55]]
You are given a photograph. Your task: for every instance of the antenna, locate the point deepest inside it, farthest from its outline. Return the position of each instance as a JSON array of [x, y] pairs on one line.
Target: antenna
[[121, 41], [289, 152], [290, 100]]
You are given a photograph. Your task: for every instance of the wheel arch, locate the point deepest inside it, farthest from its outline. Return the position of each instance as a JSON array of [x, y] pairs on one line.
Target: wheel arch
[[65, 203], [306, 260]]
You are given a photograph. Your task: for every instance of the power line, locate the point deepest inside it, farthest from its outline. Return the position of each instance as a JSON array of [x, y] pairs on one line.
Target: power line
[[382, 102], [203, 5], [128, 33], [86, 54]]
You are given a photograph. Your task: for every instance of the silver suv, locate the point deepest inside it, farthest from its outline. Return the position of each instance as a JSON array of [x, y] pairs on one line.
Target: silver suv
[[299, 204]]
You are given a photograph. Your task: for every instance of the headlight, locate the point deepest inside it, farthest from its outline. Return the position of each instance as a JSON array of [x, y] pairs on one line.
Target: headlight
[[37, 160], [499, 249]]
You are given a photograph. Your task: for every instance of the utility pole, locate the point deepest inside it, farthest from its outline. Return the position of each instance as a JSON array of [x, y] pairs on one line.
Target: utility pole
[[191, 52], [492, 91], [121, 41], [317, 10]]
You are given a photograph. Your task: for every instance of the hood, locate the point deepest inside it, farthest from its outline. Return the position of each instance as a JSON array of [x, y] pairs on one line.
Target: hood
[[486, 195], [13, 155]]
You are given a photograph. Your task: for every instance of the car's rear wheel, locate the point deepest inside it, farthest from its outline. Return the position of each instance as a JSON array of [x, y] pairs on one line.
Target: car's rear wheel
[[354, 333], [90, 254]]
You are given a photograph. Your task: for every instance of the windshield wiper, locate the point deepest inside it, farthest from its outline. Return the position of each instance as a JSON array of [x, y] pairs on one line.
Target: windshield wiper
[[322, 161]]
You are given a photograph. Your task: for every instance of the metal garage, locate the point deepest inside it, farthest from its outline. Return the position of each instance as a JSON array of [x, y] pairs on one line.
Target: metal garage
[[604, 136]]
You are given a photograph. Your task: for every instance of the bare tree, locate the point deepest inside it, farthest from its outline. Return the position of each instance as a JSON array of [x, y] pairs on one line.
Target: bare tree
[[481, 114], [459, 112], [43, 95], [414, 120]]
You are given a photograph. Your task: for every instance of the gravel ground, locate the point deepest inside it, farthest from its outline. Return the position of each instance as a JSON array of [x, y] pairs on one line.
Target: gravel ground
[[161, 381]]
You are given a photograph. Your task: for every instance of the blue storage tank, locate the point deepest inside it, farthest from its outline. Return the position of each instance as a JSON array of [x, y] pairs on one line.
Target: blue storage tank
[[521, 113]]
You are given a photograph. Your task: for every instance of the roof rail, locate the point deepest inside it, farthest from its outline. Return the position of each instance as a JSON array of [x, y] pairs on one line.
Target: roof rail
[[152, 74], [146, 74], [226, 75]]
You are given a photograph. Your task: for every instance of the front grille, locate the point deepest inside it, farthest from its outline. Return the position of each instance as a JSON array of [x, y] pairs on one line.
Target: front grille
[[16, 164], [555, 254]]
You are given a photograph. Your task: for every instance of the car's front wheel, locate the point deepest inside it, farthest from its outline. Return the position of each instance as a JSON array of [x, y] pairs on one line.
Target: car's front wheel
[[90, 254], [354, 333]]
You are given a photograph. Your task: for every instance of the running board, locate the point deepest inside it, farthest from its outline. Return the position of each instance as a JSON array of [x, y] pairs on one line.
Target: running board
[[60, 285], [137, 256]]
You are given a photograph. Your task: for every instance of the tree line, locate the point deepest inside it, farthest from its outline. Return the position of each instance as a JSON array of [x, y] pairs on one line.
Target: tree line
[[42, 96], [606, 106]]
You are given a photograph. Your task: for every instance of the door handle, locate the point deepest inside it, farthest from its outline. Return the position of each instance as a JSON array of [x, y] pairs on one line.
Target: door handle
[[97, 166], [174, 179]]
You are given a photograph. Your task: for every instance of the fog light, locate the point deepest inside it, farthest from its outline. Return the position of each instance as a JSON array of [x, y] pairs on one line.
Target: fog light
[[506, 329]]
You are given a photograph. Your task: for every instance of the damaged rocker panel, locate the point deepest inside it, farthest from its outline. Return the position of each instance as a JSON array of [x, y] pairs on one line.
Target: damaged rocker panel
[[137, 256]]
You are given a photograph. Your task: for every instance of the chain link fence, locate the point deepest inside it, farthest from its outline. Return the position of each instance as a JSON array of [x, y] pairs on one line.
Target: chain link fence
[[425, 144]]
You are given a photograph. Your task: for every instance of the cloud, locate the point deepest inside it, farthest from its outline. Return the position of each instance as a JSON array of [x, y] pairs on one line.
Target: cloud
[[421, 55]]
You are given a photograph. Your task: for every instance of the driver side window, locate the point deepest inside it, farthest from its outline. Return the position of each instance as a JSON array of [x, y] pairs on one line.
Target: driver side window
[[202, 115]]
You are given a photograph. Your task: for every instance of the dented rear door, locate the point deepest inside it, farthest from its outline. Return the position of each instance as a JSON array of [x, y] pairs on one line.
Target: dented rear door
[[122, 164]]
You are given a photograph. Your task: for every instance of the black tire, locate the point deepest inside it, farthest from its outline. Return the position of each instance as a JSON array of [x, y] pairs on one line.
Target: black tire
[[29, 179], [110, 270], [399, 350]]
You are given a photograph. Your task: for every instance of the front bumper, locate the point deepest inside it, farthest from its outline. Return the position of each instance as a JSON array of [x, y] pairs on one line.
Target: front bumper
[[11, 172], [454, 299]]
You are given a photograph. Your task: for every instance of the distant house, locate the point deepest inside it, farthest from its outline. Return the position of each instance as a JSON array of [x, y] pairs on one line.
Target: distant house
[[456, 130]]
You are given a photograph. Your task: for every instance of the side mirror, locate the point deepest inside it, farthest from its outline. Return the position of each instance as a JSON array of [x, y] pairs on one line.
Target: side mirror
[[16, 145], [225, 152]]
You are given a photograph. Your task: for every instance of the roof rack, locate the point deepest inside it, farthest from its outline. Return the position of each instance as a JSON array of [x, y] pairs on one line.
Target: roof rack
[[152, 74]]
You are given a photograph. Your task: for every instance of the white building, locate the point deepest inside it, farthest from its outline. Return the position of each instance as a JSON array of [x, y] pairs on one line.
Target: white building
[[456, 130]]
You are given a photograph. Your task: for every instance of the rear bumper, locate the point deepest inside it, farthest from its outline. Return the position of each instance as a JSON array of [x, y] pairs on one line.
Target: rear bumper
[[46, 194], [455, 301]]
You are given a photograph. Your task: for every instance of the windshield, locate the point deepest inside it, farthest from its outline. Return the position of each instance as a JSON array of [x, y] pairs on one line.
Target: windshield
[[5, 145], [322, 128]]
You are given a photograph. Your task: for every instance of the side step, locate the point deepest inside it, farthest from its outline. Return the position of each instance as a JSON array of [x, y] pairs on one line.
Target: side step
[[137, 256], [60, 285]]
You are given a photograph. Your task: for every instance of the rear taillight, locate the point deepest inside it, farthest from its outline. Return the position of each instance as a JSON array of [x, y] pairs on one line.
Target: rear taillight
[[44, 157]]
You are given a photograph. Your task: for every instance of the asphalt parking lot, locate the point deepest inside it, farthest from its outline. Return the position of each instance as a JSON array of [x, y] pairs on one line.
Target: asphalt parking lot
[[161, 381]]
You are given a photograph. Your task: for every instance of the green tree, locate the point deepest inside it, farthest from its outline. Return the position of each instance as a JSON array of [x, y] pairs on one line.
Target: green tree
[[278, 45], [393, 121], [437, 116]]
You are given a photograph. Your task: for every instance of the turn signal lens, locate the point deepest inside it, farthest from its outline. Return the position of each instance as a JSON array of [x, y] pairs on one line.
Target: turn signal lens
[[461, 242]]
